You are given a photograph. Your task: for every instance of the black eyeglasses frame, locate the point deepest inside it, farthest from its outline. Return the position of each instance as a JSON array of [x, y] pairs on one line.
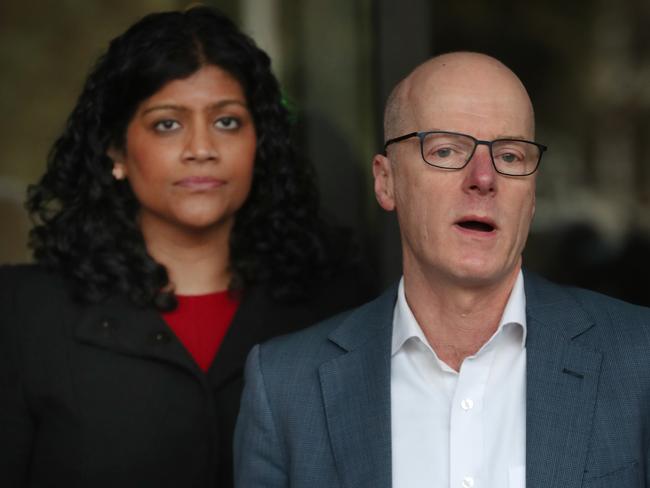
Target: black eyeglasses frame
[[422, 134]]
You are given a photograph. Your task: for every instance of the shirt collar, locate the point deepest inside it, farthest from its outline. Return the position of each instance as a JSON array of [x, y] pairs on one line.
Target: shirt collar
[[406, 327]]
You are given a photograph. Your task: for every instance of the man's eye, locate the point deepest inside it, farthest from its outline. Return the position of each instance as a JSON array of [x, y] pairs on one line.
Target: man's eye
[[228, 123], [509, 157], [444, 152], [166, 125]]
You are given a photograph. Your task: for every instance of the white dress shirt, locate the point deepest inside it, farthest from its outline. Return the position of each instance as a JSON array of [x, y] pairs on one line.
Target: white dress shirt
[[463, 429]]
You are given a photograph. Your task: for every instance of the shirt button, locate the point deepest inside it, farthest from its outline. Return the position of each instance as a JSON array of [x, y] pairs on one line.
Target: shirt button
[[467, 404], [468, 482]]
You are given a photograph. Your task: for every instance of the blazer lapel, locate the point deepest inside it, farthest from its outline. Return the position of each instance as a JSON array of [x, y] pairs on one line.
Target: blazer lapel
[[562, 379], [356, 394]]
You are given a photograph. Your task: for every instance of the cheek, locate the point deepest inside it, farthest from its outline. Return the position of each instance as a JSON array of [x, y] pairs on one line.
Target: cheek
[[533, 206], [148, 182], [244, 187], [148, 161], [150, 168], [530, 203], [406, 204], [243, 171], [419, 207], [525, 214]]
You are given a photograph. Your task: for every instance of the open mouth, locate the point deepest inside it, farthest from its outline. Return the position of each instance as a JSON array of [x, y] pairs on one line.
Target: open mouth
[[476, 225]]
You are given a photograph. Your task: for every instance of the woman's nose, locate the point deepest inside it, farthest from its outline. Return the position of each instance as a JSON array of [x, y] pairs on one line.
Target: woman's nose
[[200, 145]]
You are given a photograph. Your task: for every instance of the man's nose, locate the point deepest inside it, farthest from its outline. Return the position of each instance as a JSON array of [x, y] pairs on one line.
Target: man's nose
[[200, 145], [481, 176]]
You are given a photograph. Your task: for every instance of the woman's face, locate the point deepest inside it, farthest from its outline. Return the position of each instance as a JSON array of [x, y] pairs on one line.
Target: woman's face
[[189, 154]]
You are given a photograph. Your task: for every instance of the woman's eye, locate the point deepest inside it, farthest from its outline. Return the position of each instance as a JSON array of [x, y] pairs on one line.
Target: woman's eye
[[228, 123], [166, 125]]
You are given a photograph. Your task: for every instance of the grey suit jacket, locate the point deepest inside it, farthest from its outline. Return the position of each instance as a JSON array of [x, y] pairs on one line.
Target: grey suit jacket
[[316, 406]]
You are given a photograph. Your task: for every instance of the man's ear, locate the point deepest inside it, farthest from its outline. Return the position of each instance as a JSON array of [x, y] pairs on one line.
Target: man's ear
[[119, 168], [384, 182]]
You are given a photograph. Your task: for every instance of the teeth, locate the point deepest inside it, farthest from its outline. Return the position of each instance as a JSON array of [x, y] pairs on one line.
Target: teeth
[[474, 225]]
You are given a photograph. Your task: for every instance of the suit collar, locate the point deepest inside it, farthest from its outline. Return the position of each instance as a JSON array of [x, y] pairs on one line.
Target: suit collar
[[556, 307], [356, 394], [368, 322], [562, 379], [118, 325]]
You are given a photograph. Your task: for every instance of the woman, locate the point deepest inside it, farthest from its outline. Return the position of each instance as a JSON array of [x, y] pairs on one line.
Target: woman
[[177, 229]]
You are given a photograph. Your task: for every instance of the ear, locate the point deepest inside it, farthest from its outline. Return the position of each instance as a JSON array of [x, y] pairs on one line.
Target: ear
[[119, 168], [384, 182]]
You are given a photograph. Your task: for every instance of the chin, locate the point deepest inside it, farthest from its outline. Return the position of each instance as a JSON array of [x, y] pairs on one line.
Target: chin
[[480, 273], [203, 218], [197, 226]]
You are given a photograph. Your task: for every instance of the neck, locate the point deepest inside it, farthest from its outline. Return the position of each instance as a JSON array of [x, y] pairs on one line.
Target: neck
[[457, 320], [197, 262]]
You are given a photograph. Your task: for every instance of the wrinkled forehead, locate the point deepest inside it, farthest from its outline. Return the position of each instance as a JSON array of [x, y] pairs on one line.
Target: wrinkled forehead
[[480, 97]]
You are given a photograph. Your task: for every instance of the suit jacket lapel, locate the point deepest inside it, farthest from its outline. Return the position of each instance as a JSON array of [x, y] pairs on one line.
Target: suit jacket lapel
[[562, 379], [356, 394]]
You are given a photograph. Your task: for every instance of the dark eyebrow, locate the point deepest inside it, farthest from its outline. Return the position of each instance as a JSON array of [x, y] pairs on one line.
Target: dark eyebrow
[[181, 108]]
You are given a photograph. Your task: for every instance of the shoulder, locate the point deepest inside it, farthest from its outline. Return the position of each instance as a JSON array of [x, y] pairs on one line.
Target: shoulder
[[31, 281], [597, 302], [540, 291], [614, 320], [332, 337], [618, 322], [36, 303], [20, 272], [305, 348]]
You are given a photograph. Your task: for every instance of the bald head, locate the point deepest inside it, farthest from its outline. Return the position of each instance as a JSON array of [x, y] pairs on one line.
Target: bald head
[[470, 83]]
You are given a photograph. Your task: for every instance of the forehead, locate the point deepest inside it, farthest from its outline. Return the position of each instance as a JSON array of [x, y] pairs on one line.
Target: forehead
[[483, 100], [208, 82]]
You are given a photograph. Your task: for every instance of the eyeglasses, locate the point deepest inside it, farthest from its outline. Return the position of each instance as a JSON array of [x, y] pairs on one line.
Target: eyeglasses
[[451, 150]]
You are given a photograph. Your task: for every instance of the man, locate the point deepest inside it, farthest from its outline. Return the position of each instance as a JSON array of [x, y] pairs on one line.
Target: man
[[470, 373]]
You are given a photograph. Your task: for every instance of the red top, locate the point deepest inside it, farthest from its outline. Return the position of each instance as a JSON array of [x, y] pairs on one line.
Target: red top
[[200, 322]]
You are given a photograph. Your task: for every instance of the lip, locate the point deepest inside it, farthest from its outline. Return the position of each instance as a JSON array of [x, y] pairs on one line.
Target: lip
[[200, 183], [476, 226]]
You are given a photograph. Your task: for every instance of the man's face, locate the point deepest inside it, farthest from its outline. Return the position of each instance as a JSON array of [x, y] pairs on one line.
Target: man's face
[[467, 226]]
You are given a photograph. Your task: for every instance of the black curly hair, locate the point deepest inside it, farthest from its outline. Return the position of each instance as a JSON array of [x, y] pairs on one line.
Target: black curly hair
[[86, 222]]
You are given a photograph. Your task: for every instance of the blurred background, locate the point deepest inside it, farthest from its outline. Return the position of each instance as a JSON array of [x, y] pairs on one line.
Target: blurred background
[[586, 64]]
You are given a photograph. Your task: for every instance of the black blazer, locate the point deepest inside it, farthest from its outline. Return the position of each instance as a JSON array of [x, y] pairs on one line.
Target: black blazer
[[105, 395]]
